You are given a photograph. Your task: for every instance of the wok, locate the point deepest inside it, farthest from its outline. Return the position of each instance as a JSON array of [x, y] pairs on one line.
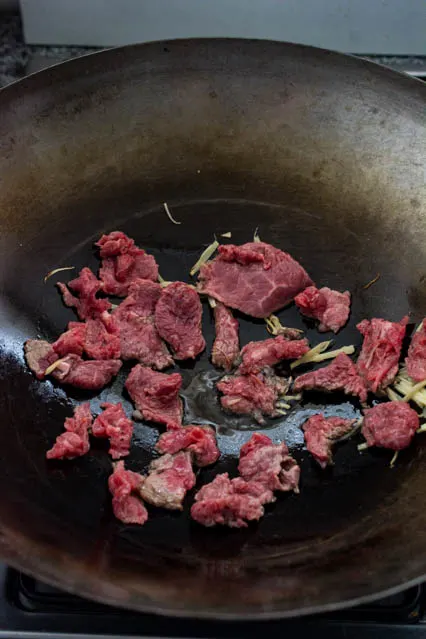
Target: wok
[[326, 155]]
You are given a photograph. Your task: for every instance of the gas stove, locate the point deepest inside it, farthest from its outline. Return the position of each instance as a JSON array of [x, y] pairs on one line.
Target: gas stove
[[29, 608]]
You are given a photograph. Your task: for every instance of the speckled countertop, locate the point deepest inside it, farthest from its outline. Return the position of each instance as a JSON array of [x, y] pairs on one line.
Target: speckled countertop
[[18, 59]]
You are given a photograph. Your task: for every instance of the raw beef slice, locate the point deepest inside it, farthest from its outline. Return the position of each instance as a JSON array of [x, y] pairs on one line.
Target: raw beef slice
[[75, 441], [39, 355], [200, 441], [330, 307], [255, 278], [178, 320], [322, 432], [156, 395], [226, 347], [113, 424], [381, 350], [124, 486], [256, 356], [168, 480], [123, 263], [269, 464], [139, 338], [416, 359], [86, 286], [88, 375], [340, 375], [390, 425]]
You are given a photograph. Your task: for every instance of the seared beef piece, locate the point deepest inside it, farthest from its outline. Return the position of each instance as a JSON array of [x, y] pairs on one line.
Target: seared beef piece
[[230, 502], [322, 432], [102, 338], [330, 307], [75, 441], [200, 441], [89, 375], [124, 486], [269, 464], [340, 375], [257, 355], [123, 263], [254, 395], [72, 340], [113, 424], [138, 336], [226, 347], [168, 479], [39, 355], [256, 278], [86, 286], [416, 359], [178, 320], [381, 350], [390, 425], [156, 395]]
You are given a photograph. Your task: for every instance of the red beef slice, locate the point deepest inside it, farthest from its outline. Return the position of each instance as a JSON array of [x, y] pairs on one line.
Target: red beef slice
[[168, 479], [113, 424], [178, 320], [39, 355], [102, 338], [124, 486], [269, 464], [322, 432], [257, 355], [254, 395], [72, 340], [230, 502], [123, 263], [381, 350], [390, 425], [330, 307], [416, 359], [86, 286], [255, 278], [340, 375], [88, 375], [139, 338], [75, 441], [156, 395], [226, 347], [200, 441]]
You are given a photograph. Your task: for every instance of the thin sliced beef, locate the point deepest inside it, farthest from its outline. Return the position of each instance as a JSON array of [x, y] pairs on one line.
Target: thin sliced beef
[[226, 347], [72, 340], [322, 432], [124, 486], [269, 464], [156, 395], [139, 338], [123, 263], [257, 355], [230, 502], [416, 359], [330, 307], [340, 375], [39, 355], [88, 375], [381, 350], [254, 395], [74, 442], [168, 480], [200, 441], [113, 424], [255, 278], [102, 339], [178, 320], [390, 425], [86, 286]]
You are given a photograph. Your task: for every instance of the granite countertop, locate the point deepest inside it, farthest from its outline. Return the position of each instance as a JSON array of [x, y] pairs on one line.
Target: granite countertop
[[18, 59]]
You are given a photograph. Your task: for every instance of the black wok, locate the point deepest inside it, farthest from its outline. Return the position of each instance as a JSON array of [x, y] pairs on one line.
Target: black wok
[[326, 155]]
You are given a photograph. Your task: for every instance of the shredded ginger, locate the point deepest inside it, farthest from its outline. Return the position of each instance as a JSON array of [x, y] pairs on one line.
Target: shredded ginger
[[58, 270], [405, 390], [204, 257], [317, 354]]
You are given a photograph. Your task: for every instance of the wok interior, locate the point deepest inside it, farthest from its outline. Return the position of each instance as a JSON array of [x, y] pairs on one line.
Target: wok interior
[[233, 136]]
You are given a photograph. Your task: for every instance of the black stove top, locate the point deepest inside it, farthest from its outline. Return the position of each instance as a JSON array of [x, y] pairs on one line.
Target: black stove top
[[29, 608]]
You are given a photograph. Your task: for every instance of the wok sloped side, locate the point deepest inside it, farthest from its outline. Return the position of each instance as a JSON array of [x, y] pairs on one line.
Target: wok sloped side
[[332, 150]]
